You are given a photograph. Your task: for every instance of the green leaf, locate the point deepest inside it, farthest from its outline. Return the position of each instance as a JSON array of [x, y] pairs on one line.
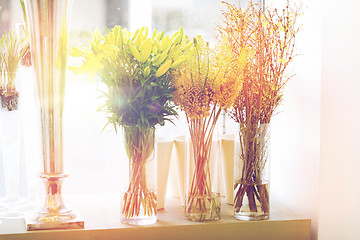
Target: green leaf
[[154, 33], [154, 98], [142, 117], [146, 72], [143, 81]]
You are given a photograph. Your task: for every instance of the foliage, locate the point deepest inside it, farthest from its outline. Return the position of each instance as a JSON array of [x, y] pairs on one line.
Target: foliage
[[11, 53], [207, 83], [210, 78], [137, 70], [22, 3], [267, 36]]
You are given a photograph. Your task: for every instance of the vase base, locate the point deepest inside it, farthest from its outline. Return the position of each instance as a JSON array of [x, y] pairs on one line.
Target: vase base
[[139, 220], [210, 210], [250, 216], [46, 221], [196, 218]]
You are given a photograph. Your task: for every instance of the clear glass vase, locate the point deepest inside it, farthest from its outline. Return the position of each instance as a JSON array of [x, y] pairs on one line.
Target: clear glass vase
[[202, 170], [10, 119], [31, 140], [138, 195], [30, 128], [48, 22], [251, 172]]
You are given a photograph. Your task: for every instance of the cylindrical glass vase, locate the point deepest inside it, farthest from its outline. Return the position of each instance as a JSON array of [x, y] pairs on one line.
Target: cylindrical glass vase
[[138, 196], [202, 173], [251, 172], [10, 120]]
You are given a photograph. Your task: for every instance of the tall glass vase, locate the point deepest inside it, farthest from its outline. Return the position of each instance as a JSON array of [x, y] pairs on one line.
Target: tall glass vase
[[138, 196], [48, 22], [251, 172], [202, 188]]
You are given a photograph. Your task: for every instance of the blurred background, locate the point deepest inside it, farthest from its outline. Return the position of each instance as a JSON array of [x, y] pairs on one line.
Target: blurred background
[[315, 137], [91, 156]]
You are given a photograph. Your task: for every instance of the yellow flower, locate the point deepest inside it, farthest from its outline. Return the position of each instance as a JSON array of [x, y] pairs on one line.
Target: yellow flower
[[210, 78]]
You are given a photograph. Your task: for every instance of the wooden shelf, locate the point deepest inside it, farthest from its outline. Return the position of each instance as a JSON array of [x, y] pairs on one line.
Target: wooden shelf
[[101, 214]]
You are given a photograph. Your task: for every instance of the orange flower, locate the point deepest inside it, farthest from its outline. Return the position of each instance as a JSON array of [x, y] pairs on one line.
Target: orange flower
[[263, 41]]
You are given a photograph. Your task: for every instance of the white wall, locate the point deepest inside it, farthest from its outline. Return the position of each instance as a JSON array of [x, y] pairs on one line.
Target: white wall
[[139, 14], [340, 143], [88, 15], [296, 129]]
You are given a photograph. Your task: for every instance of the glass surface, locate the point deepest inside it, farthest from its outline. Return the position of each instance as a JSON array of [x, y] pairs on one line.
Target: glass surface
[[10, 120], [203, 208], [138, 198], [251, 172], [202, 188], [49, 34]]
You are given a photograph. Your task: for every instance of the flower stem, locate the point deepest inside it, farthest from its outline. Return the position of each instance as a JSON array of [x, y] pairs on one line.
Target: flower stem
[[200, 194], [139, 199]]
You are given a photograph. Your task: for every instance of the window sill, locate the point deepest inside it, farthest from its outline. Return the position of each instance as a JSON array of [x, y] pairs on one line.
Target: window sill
[[101, 214]]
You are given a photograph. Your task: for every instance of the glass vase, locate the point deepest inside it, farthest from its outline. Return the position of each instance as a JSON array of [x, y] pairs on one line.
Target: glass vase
[[31, 140], [251, 172], [48, 22], [10, 119], [138, 196], [202, 171], [30, 127]]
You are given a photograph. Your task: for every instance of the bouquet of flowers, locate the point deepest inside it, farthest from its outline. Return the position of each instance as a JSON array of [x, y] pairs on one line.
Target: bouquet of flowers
[[137, 70], [208, 82], [267, 36]]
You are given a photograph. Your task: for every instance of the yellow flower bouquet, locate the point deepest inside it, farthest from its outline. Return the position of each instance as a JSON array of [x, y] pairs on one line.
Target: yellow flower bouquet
[[137, 70], [208, 82]]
